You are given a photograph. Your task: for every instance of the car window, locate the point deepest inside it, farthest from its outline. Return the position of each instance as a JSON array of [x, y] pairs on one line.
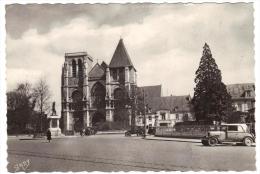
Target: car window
[[232, 128], [223, 128]]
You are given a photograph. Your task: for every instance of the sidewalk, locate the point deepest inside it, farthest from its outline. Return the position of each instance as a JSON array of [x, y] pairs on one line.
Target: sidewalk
[[172, 139], [111, 132]]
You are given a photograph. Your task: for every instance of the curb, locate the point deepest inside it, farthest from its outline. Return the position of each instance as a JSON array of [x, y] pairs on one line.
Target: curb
[[174, 139], [107, 133]]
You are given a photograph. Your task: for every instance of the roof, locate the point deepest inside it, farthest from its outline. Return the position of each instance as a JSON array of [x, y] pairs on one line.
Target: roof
[[97, 71], [76, 54], [171, 103], [104, 65], [120, 57], [238, 90], [151, 91]]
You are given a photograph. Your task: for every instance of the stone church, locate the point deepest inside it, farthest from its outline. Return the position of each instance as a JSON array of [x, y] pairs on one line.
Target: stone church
[[97, 93]]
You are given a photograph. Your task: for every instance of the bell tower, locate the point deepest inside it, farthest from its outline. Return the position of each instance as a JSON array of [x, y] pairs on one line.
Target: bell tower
[[75, 92], [120, 84]]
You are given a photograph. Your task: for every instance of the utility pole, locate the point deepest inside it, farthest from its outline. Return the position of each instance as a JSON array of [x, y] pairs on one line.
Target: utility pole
[[144, 114]]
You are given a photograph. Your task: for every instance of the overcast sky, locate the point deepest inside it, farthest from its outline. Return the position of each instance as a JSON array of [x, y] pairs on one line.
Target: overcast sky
[[164, 41]]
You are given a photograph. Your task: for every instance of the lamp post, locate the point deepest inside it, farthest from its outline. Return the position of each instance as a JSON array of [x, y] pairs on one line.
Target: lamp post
[[144, 114]]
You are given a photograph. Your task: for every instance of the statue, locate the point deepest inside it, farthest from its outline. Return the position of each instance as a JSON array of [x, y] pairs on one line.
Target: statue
[[53, 109]]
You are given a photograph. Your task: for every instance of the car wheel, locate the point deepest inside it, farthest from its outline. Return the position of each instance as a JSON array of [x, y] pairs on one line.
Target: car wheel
[[248, 141], [212, 141], [205, 142]]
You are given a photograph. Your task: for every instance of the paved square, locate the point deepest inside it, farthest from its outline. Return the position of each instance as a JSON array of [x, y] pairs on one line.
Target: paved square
[[118, 153]]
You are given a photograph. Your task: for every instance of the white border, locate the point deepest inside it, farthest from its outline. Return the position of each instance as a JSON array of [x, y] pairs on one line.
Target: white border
[[3, 127]]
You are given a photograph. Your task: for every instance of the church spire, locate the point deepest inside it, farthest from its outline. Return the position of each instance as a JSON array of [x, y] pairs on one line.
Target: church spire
[[120, 57]]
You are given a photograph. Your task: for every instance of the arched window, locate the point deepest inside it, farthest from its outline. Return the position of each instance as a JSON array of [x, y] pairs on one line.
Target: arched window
[[74, 71], [80, 71], [77, 100], [119, 98], [98, 94]]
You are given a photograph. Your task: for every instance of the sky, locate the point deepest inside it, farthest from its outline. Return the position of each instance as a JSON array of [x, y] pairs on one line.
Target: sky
[[164, 41]]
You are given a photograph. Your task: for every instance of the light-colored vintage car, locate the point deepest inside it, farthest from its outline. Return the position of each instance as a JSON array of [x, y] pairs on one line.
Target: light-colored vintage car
[[229, 133]]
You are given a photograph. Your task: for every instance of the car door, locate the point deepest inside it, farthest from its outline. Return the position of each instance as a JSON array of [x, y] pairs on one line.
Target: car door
[[232, 133], [241, 133]]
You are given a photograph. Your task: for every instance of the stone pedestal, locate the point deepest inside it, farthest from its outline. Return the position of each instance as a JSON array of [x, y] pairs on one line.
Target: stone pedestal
[[54, 125]]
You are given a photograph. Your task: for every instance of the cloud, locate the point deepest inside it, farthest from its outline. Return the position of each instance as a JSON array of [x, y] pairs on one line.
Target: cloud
[[20, 75], [165, 43], [46, 16]]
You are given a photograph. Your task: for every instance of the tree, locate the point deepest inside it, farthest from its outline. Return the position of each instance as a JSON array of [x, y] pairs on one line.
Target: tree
[[211, 100], [42, 96], [20, 107]]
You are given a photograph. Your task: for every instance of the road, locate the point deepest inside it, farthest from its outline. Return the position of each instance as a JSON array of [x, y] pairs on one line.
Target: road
[[118, 153]]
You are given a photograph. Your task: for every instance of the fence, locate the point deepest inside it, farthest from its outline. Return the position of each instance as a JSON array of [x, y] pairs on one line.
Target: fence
[[184, 131]]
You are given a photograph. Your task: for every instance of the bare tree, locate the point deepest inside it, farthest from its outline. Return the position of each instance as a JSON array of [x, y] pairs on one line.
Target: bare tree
[[42, 97]]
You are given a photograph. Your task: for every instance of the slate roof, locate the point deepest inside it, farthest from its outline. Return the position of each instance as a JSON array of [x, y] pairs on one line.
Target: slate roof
[[172, 103], [151, 91], [96, 72], [120, 57], [238, 90], [156, 102]]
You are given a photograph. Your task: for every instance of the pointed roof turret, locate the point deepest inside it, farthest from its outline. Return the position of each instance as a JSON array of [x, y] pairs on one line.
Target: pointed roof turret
[[120, 57]]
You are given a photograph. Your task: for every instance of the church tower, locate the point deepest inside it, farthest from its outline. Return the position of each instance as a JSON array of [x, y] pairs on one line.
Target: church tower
[[75, 92], [120, 86]]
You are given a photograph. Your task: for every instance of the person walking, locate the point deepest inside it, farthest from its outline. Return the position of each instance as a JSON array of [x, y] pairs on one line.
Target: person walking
[[48, 134]]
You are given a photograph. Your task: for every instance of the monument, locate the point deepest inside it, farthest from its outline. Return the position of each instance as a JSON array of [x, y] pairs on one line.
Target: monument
[[54, 122]]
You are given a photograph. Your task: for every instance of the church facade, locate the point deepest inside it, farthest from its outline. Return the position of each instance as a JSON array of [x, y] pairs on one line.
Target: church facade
[[100, 93]]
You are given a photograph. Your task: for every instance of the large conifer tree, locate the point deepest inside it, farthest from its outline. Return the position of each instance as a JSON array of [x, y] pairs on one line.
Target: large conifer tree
[[211, 100]]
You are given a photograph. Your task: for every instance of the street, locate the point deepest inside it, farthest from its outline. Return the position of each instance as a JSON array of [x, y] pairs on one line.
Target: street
[[118, 153]]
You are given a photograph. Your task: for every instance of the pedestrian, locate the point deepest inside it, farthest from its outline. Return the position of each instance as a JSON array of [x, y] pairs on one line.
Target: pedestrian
[[48, 134]]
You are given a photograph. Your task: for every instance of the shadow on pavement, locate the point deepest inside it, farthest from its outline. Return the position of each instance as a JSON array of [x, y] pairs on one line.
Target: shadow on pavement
[[226, 145]]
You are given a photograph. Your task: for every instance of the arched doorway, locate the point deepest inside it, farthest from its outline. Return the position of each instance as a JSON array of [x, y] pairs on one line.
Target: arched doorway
[[98, 94], [98, 118], [77, 106]]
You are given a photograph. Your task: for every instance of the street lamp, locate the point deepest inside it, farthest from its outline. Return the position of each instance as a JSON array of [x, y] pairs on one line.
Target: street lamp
[[144, 114]]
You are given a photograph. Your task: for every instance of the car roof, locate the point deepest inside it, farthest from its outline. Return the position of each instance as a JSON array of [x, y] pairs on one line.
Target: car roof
[[233, 124], [244, 126]]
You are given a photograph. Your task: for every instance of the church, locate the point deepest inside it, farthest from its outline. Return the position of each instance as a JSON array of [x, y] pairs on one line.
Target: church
[[91, 94]]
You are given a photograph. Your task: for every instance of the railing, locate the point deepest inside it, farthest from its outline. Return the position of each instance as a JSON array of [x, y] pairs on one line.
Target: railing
[[186, 131]]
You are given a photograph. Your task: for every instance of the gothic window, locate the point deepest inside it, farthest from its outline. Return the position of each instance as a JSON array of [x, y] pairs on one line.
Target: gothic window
[[114, 74], [80, 68], [80, 73], [77, 100], [98, 94], [74, 68], [119, 94], [121, 74]]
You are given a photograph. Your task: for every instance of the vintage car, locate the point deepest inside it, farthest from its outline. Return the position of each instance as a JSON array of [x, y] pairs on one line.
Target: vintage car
[[90, 131], [139, 131], [229, 133]]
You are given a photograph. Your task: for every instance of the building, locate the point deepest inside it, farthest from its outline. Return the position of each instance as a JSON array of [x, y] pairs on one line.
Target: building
[[99, 93], [243, 96], [164, 110], [243, 100]]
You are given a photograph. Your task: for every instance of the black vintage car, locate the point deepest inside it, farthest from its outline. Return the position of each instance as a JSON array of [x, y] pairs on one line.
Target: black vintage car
[[90, 131], [139, 131]]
